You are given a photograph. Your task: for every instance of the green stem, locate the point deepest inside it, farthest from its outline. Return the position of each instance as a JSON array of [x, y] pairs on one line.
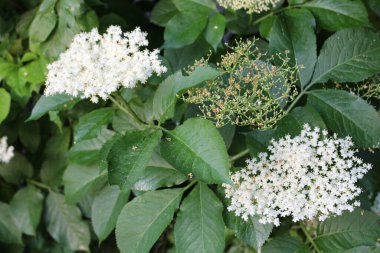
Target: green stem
[[38, 184], [239, 155], [259, 250], [189, 185], [303, 92], [295, 101], [273, 13], [127, 110], [309, 238]]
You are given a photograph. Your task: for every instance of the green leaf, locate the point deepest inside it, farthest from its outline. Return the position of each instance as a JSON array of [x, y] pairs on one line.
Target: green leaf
[[265, 27], [375, 6], [165, 97], [80, 180], [91, 123], [159, 173], [338, 14], [199, 226], [17, 170], [200, 6], [6, 68], [293, 122], [104, 151], [349, 55], [89, 20], [196, 147], [347, 115], [183, 29], [142, 220], [56, 119], [180, 58], [26, 206], [215, 30], [252, 232], [364, 249], [64, 223], [44, 21], [57, 102], [106, 208], [55, 162], [129, 156], [291, 2], [122, 122], [258, 140], [66, 28], [228, 133], [29, 134], [35, 71], [52, 170], [5, 104], [9, 231], [162, 12], [341, 233], [87, 151], [285, 244], [294, 31]]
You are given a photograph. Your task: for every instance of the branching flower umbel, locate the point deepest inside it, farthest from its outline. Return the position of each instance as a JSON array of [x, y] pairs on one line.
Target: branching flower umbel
[[6, 152], [250, 89], [96, 65], [251, 6], [308, 176]]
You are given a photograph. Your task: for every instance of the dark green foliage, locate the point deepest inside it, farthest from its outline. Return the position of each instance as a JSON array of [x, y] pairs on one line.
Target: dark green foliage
[[141, 175]]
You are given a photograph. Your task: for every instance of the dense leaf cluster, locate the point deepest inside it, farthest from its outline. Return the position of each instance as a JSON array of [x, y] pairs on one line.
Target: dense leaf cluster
[[141, 172]]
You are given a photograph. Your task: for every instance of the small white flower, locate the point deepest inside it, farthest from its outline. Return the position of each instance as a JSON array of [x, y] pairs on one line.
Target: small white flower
[[96, 65], [251, 6], [308, 176], [6, 152]]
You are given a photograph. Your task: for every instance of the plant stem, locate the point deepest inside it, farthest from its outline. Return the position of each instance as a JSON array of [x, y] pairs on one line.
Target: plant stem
[[259, 250], [189, 185], [303, 92], [273, 13], [127, 110], [38, 184], [309, 238], [239, 155]]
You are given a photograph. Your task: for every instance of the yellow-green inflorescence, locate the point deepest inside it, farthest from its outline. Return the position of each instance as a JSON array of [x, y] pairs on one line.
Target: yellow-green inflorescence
[[250, 89]]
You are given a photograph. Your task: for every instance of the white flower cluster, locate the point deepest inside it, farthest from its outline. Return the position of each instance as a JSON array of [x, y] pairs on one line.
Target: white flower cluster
[[6, 153], [307, 176], [251, 6], [96, 65], [376, 204]]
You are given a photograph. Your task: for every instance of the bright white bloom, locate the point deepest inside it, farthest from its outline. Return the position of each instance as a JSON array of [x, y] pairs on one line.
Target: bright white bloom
[[6, 153], [376, 204], [307, 176], [251, 6], [96, 65]]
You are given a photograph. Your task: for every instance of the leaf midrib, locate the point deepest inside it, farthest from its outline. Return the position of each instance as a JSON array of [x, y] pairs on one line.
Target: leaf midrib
[[336, 109], [310, 5], [343, 232], [140, 155], [340, 64], [142, 234], [195, 154]]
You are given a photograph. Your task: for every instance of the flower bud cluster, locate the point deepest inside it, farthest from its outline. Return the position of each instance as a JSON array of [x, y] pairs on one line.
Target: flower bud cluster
[[250, 89], [251, 6], [96, 65], [308, 176]]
